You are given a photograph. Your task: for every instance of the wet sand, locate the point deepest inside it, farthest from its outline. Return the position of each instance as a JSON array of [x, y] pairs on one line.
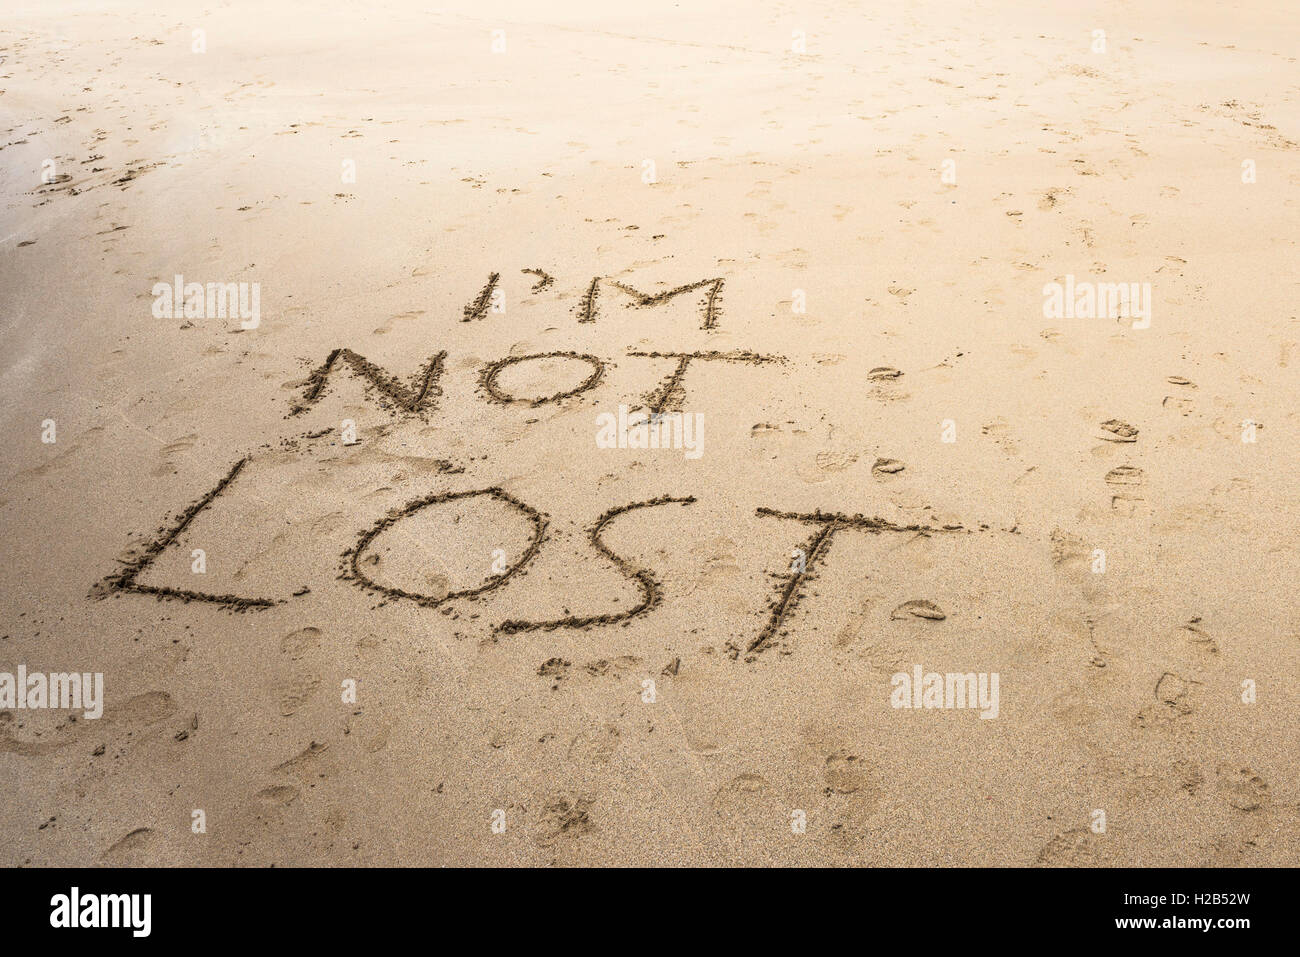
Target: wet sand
[[365, 582]]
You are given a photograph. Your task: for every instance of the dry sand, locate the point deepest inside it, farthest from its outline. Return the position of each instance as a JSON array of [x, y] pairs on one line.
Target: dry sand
[[499, 679]]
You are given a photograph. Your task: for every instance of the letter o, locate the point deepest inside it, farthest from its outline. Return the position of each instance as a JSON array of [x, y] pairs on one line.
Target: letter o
[[488, 379]]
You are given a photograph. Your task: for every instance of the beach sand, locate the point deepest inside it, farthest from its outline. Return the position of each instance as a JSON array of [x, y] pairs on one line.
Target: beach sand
[[474, 636]]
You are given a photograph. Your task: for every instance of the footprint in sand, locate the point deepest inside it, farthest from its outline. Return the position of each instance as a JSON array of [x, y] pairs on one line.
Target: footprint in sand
[[266, 808], [826, 463], [831, 460], [133, 850], [717, 558], [554, 670], [171, 451], [1125, 477], [746, 801], [147, 708], [1242, 788], [298, 643], [1194, 633], [1025, 353], [851, 798], [306, 764], [918, 608], [1067, 548], [1067, 849], [1051, 198], [1118, 431], [296, 693], [143, 709], [565, 817], [1000, 432], [1189, 777], [848, 634], [595, 746], [277, 795], [436, 586], [1173, 701], [886, 385], [846, 773]]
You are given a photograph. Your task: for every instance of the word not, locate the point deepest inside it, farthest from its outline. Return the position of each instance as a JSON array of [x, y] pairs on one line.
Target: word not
[[218, 300], [1098, 300], [953, 690], [642, 429], [71, 691], [103, 910]]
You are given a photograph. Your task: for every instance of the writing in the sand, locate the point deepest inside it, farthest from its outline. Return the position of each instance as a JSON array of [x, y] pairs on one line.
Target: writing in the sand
[[417, 396]]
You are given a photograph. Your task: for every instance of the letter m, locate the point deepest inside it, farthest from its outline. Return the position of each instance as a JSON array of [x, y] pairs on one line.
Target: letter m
[[62, 689], [960, 691], [710, 302], [119, 906], [219, 294], [1112, 297]]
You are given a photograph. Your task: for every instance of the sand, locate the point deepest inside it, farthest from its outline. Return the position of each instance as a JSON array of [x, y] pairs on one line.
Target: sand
[[366, 588]]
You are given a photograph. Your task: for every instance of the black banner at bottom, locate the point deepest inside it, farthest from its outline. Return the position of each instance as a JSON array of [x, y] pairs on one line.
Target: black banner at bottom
[[333, 906]]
